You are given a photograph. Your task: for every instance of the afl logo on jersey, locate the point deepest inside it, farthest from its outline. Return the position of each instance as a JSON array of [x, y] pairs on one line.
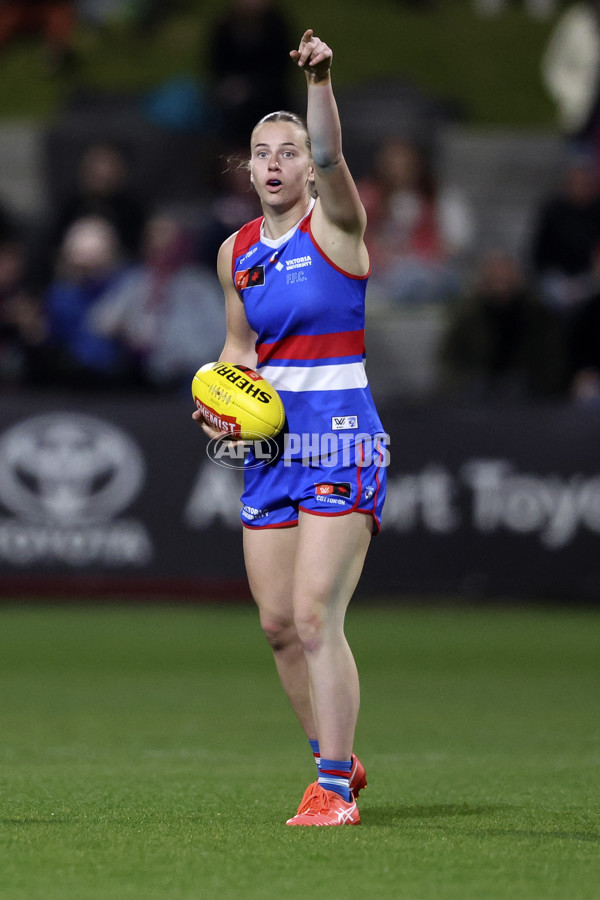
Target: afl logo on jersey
[[247, 278]]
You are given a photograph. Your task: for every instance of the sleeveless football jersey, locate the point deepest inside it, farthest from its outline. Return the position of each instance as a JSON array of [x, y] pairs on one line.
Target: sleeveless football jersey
[[309, 316]]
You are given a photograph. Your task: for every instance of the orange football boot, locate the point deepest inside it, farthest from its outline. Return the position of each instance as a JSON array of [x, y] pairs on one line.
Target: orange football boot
[[321, 807], [358, 778]]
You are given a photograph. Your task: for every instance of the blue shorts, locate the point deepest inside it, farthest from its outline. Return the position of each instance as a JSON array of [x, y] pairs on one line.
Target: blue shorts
[[274, 494]]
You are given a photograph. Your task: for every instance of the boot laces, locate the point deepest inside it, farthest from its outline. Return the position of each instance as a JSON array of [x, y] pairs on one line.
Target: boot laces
[[315, 800]]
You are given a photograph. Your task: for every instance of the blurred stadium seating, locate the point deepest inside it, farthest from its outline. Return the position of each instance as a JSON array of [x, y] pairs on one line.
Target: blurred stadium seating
[[504, 172]]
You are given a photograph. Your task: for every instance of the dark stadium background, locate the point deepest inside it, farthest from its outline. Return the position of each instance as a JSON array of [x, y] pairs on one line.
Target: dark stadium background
[[473, 95]]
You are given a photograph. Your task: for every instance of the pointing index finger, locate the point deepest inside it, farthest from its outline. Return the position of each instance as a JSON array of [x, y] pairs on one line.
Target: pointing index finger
[[302, 54]]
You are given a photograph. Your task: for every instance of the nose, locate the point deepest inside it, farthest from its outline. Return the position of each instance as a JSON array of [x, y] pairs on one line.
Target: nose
[[273, 163]]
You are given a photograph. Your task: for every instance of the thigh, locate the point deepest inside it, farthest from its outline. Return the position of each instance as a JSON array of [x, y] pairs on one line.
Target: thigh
[[269, 554], [329, 559]]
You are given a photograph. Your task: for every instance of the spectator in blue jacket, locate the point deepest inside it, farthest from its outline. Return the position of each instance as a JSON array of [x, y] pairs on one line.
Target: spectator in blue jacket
[[89, 264]]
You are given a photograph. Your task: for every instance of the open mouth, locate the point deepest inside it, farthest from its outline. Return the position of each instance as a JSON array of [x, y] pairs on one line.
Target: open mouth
[[273, 182]]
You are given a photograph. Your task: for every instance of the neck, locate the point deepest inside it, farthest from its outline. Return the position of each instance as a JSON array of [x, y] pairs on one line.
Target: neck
[[278, 222]]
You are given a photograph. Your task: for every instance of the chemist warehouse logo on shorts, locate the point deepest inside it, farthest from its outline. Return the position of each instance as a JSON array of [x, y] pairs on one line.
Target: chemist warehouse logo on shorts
[[333, 492]]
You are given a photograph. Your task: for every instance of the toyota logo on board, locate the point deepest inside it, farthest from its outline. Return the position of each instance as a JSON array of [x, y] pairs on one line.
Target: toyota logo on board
[[68, 469]]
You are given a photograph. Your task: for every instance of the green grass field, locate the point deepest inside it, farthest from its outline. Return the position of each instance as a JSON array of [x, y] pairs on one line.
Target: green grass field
[[148, 752]]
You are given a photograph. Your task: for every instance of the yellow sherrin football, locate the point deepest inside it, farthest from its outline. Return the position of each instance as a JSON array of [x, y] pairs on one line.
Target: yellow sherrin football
[[238, 401]]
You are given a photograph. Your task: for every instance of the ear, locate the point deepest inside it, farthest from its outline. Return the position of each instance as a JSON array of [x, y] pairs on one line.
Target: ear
[[311, 174]]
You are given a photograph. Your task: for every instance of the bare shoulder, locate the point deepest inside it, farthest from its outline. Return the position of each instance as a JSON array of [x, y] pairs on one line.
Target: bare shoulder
[[226, 248], [342, 242], [225, 259]]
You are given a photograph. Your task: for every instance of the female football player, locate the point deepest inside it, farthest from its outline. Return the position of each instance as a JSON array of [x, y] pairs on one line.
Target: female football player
[[294, 283]]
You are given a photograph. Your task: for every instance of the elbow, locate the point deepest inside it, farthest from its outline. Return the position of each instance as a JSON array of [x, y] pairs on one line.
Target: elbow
[[327, 161], [327, 158]]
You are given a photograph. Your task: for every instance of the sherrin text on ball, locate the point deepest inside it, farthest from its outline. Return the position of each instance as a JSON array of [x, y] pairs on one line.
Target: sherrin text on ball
[[238, 401]]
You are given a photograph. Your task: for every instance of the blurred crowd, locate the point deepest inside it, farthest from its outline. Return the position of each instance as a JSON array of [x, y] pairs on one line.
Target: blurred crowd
[[110, 292], [105, 294]]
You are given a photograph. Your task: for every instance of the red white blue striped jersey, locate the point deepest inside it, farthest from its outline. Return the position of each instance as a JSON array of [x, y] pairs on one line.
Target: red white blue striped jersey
[[309, 316]]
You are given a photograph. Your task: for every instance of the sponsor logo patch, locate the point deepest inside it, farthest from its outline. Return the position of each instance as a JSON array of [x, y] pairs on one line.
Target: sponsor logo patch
[[340, 423], [247, 278], [333, 488]]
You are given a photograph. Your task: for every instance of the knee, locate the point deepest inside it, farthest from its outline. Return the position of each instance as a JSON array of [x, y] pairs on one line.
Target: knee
[[280, 633], [309, 624]]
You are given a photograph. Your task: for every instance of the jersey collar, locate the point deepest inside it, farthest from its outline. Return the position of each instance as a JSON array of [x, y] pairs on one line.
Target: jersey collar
[[275, 243]]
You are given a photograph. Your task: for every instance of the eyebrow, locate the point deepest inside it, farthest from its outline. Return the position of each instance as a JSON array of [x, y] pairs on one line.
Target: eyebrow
[[284, 144]]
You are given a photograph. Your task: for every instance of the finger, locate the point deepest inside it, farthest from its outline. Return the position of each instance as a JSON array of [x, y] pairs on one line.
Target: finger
[[307, 43], [213, 433], [304, 40], [319, 52], [304, 55], [320, 55]]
